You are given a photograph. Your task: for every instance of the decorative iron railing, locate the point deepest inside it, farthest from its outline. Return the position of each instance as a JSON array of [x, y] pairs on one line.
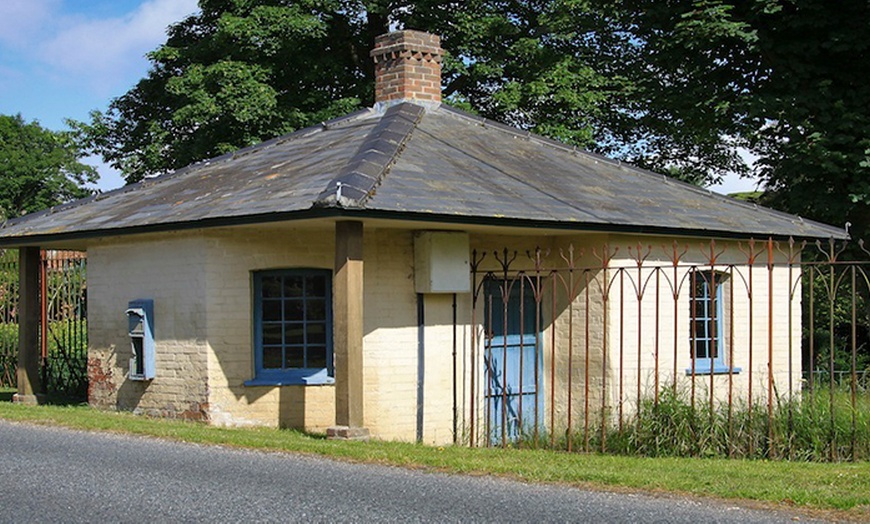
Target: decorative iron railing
[[731, 348]]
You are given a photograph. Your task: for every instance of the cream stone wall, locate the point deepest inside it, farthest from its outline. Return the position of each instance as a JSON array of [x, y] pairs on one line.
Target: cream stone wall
[[438, 367], [664, 332], [201, 284], [626, 333], [233, 254], [390, 343], [167, 269], [579, 368], [599, 352], [390, 327]]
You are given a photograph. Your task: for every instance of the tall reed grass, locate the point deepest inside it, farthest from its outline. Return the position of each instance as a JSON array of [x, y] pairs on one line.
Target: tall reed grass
[[820, 425]]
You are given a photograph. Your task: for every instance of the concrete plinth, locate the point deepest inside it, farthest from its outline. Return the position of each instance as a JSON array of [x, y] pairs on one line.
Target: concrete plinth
[[28, 400], [347, 433]]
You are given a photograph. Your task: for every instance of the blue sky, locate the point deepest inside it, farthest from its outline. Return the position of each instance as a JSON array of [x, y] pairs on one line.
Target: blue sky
[[61, 59]]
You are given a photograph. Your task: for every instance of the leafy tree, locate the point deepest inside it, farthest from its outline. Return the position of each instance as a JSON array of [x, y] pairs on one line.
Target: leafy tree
[[816, 104], [242, 71], [790, 77], [39, 168]]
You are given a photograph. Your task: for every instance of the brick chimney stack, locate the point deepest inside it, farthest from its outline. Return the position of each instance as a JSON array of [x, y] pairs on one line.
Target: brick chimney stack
[[407, 67]]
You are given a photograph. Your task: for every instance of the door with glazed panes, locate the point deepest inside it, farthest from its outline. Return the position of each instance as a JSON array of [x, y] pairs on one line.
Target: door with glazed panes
[[513, 363]]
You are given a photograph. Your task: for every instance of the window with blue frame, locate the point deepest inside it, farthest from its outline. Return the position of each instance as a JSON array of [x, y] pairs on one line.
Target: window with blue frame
[[707, 321], [293, 327]]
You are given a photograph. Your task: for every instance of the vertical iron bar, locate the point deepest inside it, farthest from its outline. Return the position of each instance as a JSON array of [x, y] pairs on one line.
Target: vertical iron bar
[[811, 283], [520, 425], [43, 318], [831, 348], [639, 297], [487, 370], [676, 293], [714, 331], [693, 318], [473, 391], [570, 293], [553, 365], [539, 297], [505, 297], [731, 363], [790, 423], [621, 343], [770, 436], [606, 313], [658, 329], [751, 349], [586, 367], [455, 371], [854, 363]]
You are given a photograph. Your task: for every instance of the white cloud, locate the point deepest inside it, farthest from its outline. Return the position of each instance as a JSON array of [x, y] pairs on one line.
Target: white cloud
[[106, 54], [22, 21]]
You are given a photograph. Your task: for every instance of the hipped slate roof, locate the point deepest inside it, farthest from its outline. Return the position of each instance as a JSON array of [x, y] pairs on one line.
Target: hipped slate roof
[[409, 162]]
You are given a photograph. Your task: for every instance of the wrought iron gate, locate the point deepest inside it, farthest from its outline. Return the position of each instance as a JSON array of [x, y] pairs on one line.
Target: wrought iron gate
[[8, 317], [63, 322]]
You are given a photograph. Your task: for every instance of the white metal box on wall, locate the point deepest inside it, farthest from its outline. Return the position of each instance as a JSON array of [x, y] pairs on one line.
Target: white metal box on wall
[[441, 262]]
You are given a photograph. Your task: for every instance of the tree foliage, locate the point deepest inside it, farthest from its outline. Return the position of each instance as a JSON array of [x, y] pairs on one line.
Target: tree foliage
[[673, 86], [815, 139], [790, 77], [39, 168]]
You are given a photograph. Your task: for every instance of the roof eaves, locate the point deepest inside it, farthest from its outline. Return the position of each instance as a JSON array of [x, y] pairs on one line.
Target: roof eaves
[[338, 212]]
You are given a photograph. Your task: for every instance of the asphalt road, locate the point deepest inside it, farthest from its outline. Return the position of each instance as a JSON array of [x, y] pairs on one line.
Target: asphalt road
[[58, 475]]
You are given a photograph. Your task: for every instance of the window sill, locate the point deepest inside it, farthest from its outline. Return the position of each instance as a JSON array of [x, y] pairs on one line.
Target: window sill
[[296, 377], [717, 369]]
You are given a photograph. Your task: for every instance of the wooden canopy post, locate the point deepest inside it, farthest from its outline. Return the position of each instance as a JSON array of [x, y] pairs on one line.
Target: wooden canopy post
[[348, 332], [29, 351]]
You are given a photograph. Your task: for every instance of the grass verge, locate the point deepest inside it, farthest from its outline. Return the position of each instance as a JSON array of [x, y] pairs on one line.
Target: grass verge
[[840, 487]]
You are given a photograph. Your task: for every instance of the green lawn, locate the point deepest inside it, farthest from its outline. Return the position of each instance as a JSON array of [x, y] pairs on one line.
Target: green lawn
[[841, 488]]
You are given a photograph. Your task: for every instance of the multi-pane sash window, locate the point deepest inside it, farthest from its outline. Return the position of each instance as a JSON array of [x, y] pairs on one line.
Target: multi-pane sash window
[[293, 325], [707, 318]]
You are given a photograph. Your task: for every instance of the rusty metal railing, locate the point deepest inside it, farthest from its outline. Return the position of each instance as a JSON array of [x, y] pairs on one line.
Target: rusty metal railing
[[731, 348]]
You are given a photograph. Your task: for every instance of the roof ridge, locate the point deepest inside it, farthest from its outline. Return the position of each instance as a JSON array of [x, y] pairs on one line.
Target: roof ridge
[[364, 172]]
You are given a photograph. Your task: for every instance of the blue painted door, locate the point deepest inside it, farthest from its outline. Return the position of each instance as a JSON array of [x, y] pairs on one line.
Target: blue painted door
[[512, 360]]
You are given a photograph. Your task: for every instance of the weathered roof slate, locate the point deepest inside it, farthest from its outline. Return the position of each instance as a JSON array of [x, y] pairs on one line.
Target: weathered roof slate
[[407, 161]]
